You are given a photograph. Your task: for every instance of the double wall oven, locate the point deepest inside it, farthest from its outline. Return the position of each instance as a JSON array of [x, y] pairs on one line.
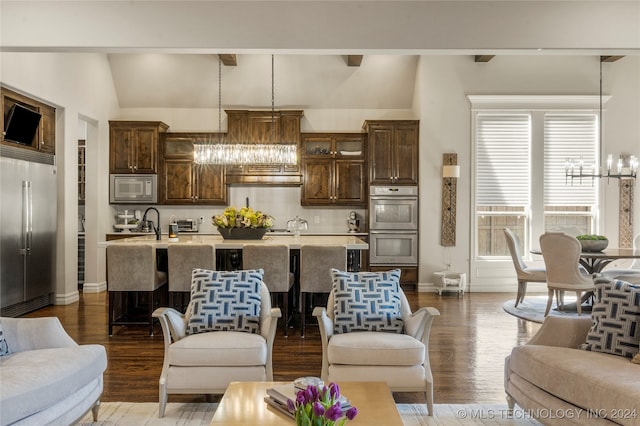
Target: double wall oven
[[393, 224]]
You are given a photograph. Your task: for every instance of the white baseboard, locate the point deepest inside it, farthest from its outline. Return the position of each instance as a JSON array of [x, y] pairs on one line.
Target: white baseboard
[[68, 298], [94, 287], [489, 288]]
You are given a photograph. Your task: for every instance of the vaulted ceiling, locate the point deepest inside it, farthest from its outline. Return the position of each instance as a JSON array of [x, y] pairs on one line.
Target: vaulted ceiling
[[158, 80]]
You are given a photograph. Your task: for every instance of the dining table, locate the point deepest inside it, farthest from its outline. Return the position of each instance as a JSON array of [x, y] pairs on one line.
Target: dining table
[[595, 261]]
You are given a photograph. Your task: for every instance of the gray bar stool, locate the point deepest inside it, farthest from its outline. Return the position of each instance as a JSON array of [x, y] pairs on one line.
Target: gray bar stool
[[315, 272], [133, 268], [275, 261], [182, 259]]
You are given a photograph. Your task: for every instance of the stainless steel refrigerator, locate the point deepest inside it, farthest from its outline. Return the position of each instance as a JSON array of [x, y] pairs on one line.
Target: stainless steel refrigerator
[[28, 200]]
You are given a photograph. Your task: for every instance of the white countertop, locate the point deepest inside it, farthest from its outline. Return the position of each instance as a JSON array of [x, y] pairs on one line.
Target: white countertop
[[350, 241]]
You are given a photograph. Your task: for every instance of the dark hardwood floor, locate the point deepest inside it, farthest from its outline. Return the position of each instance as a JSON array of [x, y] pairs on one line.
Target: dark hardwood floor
[[469, 341]]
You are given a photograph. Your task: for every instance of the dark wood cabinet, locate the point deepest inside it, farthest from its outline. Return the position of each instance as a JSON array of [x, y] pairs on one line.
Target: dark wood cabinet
[[408, 274], [263, 127], [45, 137], [182, 181], [334, 169], [133, 146], [393, 151], [47, 129]]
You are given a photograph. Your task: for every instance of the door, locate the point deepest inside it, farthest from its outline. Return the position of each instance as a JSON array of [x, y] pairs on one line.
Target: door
[[405, 154], [318, 182], [391, 248], [350, 182], [393, 213], [381, 158], [40, 261], [12, 173]]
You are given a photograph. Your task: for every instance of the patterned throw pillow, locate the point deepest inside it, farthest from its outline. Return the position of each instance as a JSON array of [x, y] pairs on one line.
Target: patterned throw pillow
[[366, 301], [616, 319], [4, 348], [225, 301]]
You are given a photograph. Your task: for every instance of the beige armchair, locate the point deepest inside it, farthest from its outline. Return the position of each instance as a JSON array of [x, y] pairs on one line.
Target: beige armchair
[[561, 253], [205, 363], [401, 360], [524, 273]]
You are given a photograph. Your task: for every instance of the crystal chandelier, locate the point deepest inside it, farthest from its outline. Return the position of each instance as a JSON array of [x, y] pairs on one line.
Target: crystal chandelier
[[245, 153], [626, 165]]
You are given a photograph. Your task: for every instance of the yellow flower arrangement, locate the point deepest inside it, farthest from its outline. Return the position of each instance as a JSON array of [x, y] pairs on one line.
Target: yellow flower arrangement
[[245, 217]]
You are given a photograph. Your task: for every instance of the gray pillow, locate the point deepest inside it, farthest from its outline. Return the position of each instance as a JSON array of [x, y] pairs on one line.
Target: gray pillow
[[225, 301], [366, 301]]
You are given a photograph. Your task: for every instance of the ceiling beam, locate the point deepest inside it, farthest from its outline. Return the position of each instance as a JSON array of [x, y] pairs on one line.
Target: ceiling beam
[[354, 60], [610, 58], [229, 60], [483, 58]]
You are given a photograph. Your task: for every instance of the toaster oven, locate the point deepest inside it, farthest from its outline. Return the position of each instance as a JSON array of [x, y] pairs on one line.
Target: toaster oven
[[187, 225]]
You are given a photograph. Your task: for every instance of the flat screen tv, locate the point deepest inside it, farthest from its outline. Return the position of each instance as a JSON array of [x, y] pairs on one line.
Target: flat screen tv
[[21, 124]]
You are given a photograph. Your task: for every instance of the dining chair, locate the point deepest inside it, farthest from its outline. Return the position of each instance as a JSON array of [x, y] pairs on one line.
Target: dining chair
[[524, 273], [614, 271], [561, 254], [182, 259], [131, 268], [274, 260], [316, 262]]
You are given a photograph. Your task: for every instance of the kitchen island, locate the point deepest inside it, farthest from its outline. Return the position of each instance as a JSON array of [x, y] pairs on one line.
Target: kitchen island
[[294, 242], [228, 254]]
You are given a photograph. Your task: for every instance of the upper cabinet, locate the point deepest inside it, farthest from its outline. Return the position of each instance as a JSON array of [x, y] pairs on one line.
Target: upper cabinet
[[393, 151], [334, 169], [133, 146], [263, 127], [44, 130], [181, 180]]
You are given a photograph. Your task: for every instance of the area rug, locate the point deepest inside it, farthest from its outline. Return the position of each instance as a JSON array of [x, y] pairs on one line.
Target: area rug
[[532, 308], [200, 414]]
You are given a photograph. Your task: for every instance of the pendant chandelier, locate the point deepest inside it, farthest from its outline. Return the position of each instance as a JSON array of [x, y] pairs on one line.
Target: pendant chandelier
[[245, 153], [626, 166]]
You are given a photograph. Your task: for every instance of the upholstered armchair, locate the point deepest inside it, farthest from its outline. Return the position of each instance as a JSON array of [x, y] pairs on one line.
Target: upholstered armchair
[[205, 362], [401, 359]]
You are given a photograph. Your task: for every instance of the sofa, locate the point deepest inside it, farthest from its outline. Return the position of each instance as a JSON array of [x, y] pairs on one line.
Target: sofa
[[46, 377], [562, 376]]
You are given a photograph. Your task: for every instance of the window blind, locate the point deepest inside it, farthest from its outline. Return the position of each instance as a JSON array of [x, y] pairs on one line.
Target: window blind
[[502, 159], [569, 136]]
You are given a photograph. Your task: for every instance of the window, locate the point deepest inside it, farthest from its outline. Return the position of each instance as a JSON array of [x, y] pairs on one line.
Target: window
[[570, 210], [519, 159], [503, 143]]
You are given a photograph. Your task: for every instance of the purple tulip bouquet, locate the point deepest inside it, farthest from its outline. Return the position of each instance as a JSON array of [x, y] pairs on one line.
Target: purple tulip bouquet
[[320, 406]]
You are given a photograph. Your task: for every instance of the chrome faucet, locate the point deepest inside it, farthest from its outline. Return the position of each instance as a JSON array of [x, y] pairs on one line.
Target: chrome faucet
[[155, 229]]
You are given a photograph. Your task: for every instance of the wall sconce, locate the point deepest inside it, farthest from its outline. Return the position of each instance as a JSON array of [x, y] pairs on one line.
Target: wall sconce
[[450, 175]]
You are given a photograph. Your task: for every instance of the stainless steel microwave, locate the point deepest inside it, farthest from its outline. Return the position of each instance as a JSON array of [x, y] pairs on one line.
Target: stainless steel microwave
[[133, 189]]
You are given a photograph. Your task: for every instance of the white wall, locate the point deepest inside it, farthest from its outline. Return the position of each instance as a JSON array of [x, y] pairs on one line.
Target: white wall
[[79, 85], [443, 84]]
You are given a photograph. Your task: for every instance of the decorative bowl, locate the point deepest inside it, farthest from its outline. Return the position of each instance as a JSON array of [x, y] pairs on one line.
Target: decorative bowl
[[242, 233], [594, 245]]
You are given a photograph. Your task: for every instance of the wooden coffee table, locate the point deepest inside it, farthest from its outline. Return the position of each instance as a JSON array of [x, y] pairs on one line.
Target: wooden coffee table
[[243, 404]]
